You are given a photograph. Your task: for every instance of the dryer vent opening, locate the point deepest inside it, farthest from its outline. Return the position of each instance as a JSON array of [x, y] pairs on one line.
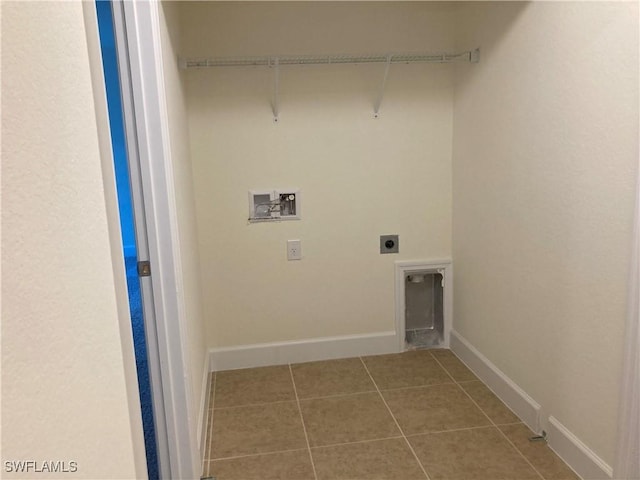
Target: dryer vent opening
[[424, 310]]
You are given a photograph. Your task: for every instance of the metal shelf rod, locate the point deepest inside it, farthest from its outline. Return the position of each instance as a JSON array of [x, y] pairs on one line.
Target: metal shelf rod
[[472, 56]]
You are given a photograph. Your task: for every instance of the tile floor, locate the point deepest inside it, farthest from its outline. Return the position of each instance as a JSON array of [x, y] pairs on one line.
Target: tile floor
[[414, 415]]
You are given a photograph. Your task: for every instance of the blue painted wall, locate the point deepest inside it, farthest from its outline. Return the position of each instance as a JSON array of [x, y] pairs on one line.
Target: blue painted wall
[[110, 64], [117, 131]]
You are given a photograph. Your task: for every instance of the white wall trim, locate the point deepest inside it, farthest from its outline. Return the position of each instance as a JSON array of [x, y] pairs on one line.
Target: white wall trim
[[298, 351], [562, 441], [178, 452], [575, 453], [525, 407], [627, 462], [406, 267], [204, 406], [115, 237]]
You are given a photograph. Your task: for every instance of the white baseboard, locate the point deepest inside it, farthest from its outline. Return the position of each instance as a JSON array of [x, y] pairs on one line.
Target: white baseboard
[[204, 407], [562, 441], [505, 389], [326, 348], [575, 453]]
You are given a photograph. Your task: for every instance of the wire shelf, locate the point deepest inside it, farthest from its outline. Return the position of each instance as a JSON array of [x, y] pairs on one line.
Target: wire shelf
[[275, 62], [472, 56]]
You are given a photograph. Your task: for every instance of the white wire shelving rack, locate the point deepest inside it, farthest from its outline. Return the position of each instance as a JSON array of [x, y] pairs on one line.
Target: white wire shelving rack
[[277, 61]]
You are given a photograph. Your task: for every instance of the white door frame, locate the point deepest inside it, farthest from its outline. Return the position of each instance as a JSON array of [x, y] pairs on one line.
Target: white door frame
[[137, 30]]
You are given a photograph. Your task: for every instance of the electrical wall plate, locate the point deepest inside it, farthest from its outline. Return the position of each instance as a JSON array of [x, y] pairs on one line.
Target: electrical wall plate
[[294, 250], [276, 204], [389, 244]]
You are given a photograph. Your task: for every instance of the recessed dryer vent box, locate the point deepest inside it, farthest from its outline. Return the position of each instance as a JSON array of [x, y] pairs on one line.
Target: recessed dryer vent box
[[273, 205]]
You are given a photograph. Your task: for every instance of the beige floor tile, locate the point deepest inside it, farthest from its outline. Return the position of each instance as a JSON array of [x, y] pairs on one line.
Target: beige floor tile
[[272, 423], [256, 429], [294, 465], [434, 408], [252, 386], [349, 418], [408, 369], [332, 377], [381, 459], [497, 411], [453, 365], [480, 454], [538, 453]]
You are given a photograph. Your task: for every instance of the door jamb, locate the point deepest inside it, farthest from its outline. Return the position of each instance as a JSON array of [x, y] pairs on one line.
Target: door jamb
[[141, 29]]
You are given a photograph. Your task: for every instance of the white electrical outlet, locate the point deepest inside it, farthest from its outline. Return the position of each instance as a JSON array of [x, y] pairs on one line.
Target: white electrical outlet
[[294, 250]]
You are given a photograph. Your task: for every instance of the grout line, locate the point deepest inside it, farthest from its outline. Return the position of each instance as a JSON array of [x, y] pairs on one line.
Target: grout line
[[447, 372], [396, 422], [304, 428], [337, 395], [521, 454], [493, 424], [304, 399], [417, 386], [261, 404], [207, 439], [436, 432], [211, 411], [510, 424], [235, 457], [331, 445]]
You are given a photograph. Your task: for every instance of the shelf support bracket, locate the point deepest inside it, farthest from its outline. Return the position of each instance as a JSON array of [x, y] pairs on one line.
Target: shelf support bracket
[[276, 86], [376, 105], [474, 56]]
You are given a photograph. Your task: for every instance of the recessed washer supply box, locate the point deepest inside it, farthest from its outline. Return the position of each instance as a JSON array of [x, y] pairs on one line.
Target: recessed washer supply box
[[274, 204]]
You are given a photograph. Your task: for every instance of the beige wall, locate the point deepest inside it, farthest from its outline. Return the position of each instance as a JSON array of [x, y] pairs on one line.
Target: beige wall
[[359, 177], [544, 165], [68, 376], [190, 297]]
